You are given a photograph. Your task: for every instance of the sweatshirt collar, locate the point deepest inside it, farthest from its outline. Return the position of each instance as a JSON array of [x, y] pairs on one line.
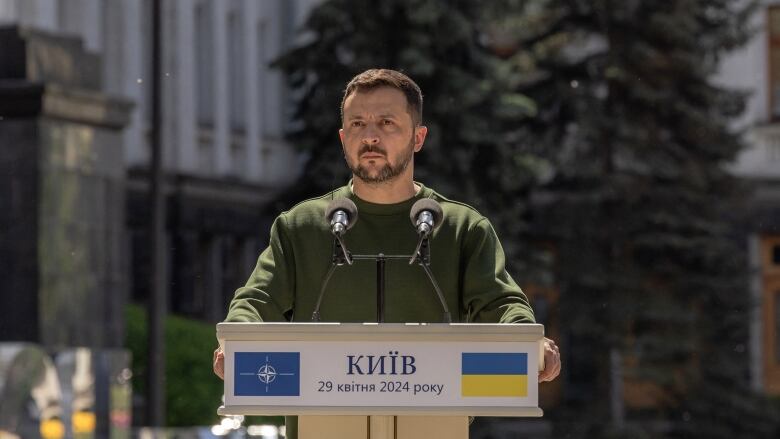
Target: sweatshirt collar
[[366, 207]]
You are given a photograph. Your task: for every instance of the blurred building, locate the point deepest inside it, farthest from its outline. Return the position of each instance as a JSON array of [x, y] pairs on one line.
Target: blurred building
[[63, 182], [224, 113], [755, 68], [74, 158]]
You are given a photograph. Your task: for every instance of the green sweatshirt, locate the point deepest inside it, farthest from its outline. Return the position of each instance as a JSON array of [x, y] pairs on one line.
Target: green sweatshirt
[[466, 258]]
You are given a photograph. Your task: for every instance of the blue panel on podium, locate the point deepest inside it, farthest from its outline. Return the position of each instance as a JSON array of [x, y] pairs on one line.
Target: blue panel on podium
[[268, 374]]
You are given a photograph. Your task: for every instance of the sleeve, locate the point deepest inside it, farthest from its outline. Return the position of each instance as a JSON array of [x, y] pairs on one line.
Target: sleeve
[[269, 293], [490, 295]]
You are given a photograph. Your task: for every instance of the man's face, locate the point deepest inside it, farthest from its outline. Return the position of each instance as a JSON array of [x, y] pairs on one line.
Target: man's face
[[378, 136]]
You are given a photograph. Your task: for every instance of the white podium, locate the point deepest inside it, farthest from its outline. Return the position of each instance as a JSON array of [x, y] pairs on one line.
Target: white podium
[[388, 380]]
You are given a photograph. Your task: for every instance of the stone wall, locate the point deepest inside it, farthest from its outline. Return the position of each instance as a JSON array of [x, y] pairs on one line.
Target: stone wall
[[63, 201]]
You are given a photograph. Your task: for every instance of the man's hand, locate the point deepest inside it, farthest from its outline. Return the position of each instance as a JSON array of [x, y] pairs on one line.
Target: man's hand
[[552, 361], [219, 363]]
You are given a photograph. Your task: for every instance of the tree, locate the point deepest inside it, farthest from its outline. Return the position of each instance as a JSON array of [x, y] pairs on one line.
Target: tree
[[444, 47], [639, 135], [611, 106]]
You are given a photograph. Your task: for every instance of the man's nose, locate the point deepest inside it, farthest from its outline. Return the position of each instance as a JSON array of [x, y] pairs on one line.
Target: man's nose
[[370, 136]]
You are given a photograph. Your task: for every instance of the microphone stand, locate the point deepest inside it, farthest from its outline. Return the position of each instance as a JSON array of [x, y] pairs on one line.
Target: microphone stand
[[380, 288], [340, 257], [422, 255], [381, 262]]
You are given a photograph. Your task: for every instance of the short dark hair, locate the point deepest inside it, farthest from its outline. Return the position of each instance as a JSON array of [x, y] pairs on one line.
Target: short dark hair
[[375, 78]]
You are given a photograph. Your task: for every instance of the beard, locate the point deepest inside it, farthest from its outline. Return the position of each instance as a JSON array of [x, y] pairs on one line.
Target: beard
[[387, 172]]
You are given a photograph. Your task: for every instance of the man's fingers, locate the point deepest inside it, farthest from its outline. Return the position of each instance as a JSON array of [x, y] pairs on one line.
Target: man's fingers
[[556, 365], [219, 363], [552, 360], [550, 372], [556, 370]]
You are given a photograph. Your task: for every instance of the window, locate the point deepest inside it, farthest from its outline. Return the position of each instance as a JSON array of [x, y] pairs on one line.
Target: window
[[770, 255], [770, 332], [773, 31], [237, 111], [144, 82], [262, 73], [776, 328], [204, 64], [236, 55]]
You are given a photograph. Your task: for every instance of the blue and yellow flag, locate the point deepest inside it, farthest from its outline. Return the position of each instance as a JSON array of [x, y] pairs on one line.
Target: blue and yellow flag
[[494, 374]]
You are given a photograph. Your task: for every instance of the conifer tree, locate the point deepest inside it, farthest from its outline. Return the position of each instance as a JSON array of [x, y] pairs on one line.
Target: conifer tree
[[640, 207]]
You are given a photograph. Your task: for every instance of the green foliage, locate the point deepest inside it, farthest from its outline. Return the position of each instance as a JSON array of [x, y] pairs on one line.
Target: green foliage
[[639, 202], [193, 392]]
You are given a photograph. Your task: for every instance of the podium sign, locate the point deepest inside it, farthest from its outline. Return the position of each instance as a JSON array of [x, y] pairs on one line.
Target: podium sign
[[381, 369]]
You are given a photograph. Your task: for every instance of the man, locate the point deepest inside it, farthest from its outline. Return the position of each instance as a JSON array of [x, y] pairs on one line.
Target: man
[[381, 131]]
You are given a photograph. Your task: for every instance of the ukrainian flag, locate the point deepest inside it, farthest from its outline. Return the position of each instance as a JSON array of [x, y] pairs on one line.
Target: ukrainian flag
[[494, 374]]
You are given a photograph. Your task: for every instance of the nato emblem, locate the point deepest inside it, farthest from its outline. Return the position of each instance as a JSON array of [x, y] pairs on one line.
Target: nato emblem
[[267, 374]]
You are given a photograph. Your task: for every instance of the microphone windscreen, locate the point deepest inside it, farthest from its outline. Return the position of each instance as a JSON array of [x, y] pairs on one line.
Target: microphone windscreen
[[346, 205], [429, 205]]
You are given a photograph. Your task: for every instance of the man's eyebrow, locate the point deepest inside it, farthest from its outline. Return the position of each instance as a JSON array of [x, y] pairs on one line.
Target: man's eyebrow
[[384, 115]]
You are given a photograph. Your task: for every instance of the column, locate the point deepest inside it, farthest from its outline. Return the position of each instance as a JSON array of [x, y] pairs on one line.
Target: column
[[170, 92], [184, 81], [114, 58], [91, 24], [43, 14], [9, 11], [136, 146]]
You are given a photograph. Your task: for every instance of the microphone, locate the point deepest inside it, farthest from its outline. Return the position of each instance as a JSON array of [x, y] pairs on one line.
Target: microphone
[[426, 216], [342, 215]]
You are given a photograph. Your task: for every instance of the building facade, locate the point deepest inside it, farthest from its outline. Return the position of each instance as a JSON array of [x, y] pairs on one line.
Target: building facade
[[224, 111], [755, 68]]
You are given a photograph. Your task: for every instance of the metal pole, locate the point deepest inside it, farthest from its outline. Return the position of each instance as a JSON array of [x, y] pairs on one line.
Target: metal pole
[[380, 288], [157, 303]]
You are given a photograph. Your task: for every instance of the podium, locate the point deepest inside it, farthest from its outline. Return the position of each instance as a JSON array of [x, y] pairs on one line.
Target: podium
[[388, 380]]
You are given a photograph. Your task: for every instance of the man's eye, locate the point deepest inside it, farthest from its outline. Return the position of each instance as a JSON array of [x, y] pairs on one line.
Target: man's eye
[[357, 124], [387, 122]]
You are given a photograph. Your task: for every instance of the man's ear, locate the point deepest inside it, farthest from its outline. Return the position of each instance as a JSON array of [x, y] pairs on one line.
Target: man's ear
[[341, 135], [419, 137]]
